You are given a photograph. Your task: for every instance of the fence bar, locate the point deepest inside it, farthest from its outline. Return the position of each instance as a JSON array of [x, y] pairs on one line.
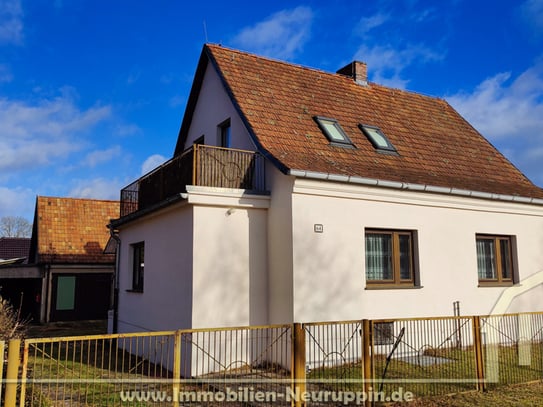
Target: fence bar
[[176, 368], [366, 357], [478, 344], [14, 353], [298, 365], [2, 347]]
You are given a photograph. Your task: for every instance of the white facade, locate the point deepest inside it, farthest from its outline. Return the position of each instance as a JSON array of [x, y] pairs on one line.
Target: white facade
[[329, 277], [166, 300]]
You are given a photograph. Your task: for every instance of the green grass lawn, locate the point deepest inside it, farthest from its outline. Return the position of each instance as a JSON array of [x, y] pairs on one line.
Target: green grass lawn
[[528, 395], [434, 373]]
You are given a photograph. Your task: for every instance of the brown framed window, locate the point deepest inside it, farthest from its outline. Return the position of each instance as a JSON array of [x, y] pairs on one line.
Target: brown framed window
[[138, 266], [495, 260], [389, 258], [383, 333]]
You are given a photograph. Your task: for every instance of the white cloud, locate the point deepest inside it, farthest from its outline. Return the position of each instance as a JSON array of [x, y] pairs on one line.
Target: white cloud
[[133, 76], [127, 130], [33, 134], [98, 188], [385, 63], [177, 100], [500, 107], [509, 112], [101, 156], [281, 35], [366, 24], [5, 73], [152, 162], [532, 11], [17, 202], [384, 45], [11, 22]]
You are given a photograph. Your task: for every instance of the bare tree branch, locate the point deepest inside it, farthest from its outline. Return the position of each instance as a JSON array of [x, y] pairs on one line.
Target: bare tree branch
[[15, 226]]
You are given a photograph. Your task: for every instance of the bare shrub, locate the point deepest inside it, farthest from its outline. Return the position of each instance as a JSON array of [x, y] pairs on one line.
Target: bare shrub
[[11, 324]]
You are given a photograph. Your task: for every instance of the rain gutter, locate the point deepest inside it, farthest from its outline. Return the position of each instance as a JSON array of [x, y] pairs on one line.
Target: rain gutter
[[321, 176]]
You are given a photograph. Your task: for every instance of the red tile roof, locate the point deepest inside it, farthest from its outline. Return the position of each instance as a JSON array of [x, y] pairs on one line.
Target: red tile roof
[[436, 146], [69, 230], [14, 247]]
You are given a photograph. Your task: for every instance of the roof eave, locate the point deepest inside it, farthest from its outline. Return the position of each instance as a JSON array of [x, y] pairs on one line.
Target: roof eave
[[413, 187]]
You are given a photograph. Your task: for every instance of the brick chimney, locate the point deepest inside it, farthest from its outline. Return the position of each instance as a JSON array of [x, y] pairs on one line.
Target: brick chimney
[[356, 70]]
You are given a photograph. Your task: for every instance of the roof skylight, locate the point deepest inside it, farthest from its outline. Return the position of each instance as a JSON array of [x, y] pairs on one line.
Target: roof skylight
[[333, 131], [377, 138]]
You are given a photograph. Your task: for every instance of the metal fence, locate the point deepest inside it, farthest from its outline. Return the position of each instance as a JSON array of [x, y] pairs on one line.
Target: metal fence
[[95, 370], [199, 165], [333, 357], [2, 370], [326, 363], [428, 356], [193, 367], [512, 348], [228, 168]]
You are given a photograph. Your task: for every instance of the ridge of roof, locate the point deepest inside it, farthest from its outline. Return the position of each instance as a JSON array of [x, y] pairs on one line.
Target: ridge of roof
[[322, 71], [69, 198]]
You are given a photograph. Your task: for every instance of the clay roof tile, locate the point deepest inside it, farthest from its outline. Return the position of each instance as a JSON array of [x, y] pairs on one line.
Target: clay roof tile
[[73, 230], [436, 145]]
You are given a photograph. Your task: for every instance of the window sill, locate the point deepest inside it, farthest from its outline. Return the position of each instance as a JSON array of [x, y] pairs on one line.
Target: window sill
[[392, 287], [495, 284], [134, 291]]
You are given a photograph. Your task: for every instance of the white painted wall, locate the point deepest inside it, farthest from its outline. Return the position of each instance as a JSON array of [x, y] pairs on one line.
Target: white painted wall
[[329, 277], [166, 301], [230, 260], [280, 264], [212, 108]]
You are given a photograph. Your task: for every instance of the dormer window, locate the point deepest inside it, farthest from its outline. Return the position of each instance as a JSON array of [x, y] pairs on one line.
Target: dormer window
[[377, 138], [333, 131]]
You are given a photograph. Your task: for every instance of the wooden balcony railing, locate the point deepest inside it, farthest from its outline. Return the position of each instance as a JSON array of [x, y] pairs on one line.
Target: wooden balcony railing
[[200, 165]]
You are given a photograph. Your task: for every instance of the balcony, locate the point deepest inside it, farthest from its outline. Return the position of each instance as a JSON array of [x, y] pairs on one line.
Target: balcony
[[200, 165]]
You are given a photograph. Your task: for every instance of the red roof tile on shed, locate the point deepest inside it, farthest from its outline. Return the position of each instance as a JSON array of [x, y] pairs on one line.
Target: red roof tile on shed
[[436, 145], [73, 230]]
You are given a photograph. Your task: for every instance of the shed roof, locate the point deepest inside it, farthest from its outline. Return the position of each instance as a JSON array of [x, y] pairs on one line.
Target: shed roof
[[71, 230]]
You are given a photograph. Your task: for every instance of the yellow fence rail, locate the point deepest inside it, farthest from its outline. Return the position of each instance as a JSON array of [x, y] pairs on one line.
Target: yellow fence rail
[[328, 363], [2, 366]]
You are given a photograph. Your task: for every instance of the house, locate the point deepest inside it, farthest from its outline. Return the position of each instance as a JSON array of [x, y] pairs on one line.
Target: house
[[67, 276], [14, 249], [298, 195]]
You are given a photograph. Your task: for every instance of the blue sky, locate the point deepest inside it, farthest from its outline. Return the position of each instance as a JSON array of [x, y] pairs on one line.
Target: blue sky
[[92, 92]]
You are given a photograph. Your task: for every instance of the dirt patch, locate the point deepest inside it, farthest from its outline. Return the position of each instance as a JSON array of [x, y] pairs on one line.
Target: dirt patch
[[69, 328]]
